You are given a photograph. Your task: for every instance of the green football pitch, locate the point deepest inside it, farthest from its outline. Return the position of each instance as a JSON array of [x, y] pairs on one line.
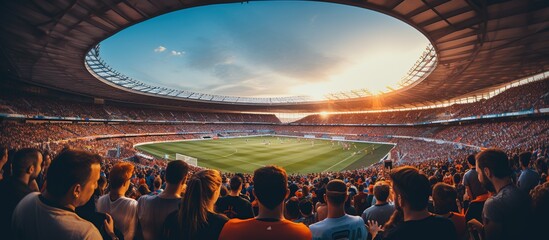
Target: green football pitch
[[296, 155]]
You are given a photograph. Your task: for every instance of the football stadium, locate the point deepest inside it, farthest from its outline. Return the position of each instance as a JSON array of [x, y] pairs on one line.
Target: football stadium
[[192, 119]]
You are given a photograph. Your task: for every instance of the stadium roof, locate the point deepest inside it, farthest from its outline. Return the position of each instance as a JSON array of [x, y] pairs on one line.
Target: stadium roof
[[479, 44]]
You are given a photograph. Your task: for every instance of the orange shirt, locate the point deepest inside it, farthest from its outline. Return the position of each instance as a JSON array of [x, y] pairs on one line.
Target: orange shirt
[[252, 228]]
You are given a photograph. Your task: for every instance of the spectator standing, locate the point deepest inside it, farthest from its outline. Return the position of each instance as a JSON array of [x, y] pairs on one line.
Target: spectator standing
[[499, 220], [25, 168], [72, 179], [270, 190], [445, 204], [473, 188], [306, 210], [122, 209], [338, 224], [528, 178], [153, 210], [360, 201], [196, 218], [382, 210], [232, 205], [412, 190]]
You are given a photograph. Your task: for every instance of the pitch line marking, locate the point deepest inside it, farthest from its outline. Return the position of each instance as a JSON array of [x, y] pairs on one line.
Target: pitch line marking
[[345, 159], [236, 150]]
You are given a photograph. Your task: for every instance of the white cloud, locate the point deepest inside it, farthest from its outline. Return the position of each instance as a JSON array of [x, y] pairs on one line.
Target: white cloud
[[160, 49], [176, 53]]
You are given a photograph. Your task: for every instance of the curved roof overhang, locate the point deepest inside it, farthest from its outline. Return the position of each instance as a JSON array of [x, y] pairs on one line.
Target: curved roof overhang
[[479, 44]]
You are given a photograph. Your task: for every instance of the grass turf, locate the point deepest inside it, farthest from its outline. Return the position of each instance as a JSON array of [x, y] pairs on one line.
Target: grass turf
[[246, 154]]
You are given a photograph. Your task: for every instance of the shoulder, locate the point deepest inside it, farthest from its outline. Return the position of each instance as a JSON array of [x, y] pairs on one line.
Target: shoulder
[[26, 204], [298, 228], [103, 198], [217, 217], [241, 222], [145, 199], [355, 219], [129, 201]]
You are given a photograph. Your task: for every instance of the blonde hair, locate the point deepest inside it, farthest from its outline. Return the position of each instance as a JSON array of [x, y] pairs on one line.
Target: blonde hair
[[195, 206]]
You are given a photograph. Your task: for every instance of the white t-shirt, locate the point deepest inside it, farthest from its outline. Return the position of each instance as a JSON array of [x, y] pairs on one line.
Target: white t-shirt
[[33, 219], [123, 212], [345, 227]]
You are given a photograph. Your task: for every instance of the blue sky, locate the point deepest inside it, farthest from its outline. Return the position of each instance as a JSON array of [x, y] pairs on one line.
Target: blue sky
[[267, 49]]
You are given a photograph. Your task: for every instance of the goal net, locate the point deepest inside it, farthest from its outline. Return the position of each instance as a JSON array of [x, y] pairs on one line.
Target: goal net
[[188, 159]]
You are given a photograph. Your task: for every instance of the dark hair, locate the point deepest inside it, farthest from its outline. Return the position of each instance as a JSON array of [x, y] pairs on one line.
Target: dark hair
[[68, 168], [306, 207], [176, 171], [471, 159], [305, 190], [381, 191], [157, 183], [143, 189], [24, 159], [270, 185], [541, 165], [292, 208], [336, 192], [444, 198], [496, 160], [412, 186], [524, 158], [457, 178], [223, 192], [361, 188], [236, 182]]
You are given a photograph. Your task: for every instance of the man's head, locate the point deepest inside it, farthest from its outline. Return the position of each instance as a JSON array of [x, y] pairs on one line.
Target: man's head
[[120, 175], [471, 160], [411, 187], [73, 176], [444, 198], [270, 186], [492, 163], [236, 183], [292, 208], [381, 191], [157, 183], [361, 188], [524, 159], [27, 161], [176, 172], [336, 192], [306, 207]]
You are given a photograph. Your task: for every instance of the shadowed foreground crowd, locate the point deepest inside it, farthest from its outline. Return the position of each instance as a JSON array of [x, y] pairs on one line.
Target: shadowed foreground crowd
[[79, 195]]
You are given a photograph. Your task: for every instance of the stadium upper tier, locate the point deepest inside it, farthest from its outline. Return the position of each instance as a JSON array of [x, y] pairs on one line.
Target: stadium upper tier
[[530, 97], [479, 45]]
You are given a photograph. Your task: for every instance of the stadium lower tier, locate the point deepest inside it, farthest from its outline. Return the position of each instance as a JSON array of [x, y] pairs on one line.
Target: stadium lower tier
[[443, 142]]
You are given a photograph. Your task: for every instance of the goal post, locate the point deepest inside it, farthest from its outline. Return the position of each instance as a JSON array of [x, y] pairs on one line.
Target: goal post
[[188, 159]]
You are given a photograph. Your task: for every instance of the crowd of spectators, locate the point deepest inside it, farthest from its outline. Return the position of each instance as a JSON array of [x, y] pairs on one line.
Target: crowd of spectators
[[526, 97], [190, 203], [530, 96], [43, 106]]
